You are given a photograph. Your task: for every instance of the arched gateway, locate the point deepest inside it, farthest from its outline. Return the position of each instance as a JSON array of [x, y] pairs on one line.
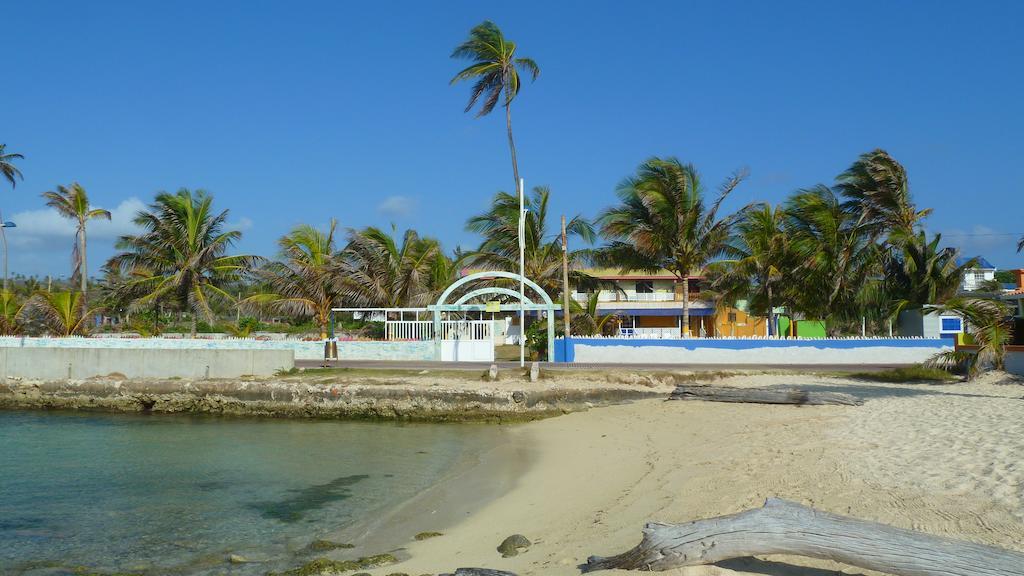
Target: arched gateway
[[462, 305]]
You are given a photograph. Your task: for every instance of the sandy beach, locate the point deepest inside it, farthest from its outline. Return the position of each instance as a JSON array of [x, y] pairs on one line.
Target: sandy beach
[[943, 459]]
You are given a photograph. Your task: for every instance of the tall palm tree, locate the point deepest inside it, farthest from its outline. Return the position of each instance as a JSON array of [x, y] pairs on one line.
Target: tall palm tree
[[181, 255], [758, 257], [1020, 244], [7, 167], [876, 185], [835, 251], [495, 69], [662, 222], [63, 313], [380, 270], [542, 253], [303, 281], [73, 203], [921, 273]]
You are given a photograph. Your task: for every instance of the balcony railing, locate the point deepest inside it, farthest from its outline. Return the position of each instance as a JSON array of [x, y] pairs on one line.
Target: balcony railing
[[631, 296]]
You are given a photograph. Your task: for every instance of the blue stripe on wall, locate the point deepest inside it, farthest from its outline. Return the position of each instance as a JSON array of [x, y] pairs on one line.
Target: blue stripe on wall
[[565, 348]]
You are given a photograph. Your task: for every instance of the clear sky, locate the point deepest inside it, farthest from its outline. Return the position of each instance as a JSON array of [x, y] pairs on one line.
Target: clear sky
[[292, 112]]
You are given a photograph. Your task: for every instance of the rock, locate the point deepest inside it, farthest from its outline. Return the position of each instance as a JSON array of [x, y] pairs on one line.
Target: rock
[[428, 535], [327, 545], [237, 559], [321, 567], [512, 545], [519, 397], [376, 560]]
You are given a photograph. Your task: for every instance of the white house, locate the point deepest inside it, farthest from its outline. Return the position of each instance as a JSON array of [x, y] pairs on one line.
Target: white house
[[974, 277]]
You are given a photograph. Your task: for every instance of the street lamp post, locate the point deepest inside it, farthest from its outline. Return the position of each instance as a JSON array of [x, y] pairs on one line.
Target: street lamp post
[[4, 224]]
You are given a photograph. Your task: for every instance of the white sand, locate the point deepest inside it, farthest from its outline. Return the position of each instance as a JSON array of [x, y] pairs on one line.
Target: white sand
[[941, 459]]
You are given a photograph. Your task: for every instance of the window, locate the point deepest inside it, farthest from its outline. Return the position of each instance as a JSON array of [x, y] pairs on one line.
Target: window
[[645, 287]]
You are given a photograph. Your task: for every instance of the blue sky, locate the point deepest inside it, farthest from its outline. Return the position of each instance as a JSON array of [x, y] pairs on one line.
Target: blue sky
[[294, 112]]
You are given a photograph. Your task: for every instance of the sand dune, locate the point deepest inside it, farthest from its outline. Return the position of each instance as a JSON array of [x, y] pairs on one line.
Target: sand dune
[[941, 459]]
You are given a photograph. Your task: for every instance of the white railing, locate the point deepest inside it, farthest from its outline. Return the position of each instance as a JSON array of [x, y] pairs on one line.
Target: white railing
[[450, 330], [629, 296], [409, 330], [656, 333]]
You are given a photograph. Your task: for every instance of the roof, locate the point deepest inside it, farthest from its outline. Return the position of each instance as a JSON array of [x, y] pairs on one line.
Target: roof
[[982, 262], [1014, 293], [616, 274]]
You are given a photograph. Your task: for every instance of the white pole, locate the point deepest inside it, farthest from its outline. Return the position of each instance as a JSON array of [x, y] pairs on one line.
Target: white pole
[[522, 272]]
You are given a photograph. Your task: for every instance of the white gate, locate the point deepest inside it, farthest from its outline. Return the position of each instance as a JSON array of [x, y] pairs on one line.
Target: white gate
[[467, 341], [461, 340]]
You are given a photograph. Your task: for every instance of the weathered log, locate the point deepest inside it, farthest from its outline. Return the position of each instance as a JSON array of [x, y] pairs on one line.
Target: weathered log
[[763, 396], [782, 527]]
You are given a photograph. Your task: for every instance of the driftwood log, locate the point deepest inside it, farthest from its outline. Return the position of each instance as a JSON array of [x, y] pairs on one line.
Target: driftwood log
[[763, 396], [782, 527]]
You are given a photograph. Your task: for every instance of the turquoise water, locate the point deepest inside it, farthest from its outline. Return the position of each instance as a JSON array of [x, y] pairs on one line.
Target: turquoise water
[[174, 494]]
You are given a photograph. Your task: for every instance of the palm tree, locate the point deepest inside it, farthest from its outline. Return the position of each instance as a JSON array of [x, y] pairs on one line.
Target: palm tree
[[921, 273], [63, 313], [835, 251], [495, 68], [303, 281], [758, 257], [7, 167], [73, 203], [586, 319], [181, 254], [1020, 244], [542, 260], [379, 270], [662, 222], [11, 310], [876, 185], [991, 329]]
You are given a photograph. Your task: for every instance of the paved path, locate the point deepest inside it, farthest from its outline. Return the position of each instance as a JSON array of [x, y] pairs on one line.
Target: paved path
[[432, 365]]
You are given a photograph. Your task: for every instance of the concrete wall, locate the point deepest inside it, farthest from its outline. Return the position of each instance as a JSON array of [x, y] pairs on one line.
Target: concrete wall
[[750, 351], [80, 363], [303, 350], [1015, 360]]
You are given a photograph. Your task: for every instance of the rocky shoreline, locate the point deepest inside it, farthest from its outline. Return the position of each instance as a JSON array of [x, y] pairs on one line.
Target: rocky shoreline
[[416, 397]]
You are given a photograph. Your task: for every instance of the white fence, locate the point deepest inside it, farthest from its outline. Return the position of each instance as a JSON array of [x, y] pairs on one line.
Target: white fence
[[482, 330]]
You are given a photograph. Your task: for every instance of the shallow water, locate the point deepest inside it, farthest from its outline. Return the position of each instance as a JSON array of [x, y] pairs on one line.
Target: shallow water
[[175, 494]]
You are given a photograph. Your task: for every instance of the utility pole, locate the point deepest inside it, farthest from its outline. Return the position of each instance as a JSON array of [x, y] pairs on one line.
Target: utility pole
[[565, 280], [522, 275]]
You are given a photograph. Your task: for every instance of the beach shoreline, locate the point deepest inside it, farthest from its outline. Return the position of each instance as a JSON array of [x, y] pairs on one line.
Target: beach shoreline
[[934, 458]]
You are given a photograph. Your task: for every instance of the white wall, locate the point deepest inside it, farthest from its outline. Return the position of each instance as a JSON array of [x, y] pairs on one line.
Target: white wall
[[81, 363]]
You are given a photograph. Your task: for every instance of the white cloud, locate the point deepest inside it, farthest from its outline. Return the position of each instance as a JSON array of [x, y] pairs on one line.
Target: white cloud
[[45, 228], [397, 206], [242, 224]]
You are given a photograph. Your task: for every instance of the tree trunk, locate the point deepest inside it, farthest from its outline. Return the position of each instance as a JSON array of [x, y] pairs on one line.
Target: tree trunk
[[194, 322], [511, 143], [686, 304], [763, 396], [772, 328], [782, 527], [84, 269]]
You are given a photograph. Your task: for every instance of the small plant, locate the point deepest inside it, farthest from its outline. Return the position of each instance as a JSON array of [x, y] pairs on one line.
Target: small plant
[[915, 373]]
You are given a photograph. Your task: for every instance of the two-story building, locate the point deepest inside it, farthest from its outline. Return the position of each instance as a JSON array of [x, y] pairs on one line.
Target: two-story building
[[650, 305], [977, 275]]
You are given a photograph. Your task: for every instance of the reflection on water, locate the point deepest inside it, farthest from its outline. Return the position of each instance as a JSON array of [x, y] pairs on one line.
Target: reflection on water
[[163, 494]]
